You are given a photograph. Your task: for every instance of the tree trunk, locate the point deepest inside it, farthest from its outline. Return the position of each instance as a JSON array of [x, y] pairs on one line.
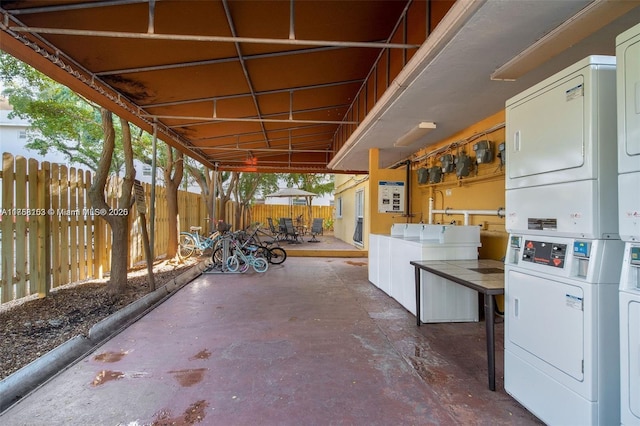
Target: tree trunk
[[172, 183], [173, 219], [118, 222], [205, 182], [119, 253]]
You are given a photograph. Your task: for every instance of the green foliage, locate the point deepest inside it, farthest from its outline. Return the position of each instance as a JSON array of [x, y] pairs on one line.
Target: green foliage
[[251, 183], [317, 183], [60, 119], [328, 224]]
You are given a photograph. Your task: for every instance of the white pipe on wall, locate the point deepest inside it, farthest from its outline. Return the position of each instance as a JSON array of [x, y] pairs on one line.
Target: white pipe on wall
[[466, 213]]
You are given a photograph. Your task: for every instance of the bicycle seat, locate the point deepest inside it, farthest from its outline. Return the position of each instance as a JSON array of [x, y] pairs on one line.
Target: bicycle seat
[[195, 228]]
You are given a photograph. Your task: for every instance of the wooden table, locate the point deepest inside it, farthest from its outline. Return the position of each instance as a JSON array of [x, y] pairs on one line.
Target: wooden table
[[484, 276]]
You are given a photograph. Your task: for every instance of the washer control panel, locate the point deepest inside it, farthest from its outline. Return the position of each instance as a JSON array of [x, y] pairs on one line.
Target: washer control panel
[[544, 253]]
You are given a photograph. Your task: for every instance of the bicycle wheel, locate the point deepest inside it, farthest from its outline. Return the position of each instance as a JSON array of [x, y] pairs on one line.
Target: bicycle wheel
[[233, 263], [258, 251], [186, 245], [260, 265], [277, 255], [217, 257]]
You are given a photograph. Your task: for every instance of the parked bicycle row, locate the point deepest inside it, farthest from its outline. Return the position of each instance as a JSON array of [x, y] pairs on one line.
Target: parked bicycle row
[[234, 251]]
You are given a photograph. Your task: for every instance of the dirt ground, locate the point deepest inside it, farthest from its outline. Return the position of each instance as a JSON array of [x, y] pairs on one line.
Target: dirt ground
[[33, 327]]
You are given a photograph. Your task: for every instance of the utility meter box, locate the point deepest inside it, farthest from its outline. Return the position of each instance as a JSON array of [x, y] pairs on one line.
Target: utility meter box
[[484, 152]]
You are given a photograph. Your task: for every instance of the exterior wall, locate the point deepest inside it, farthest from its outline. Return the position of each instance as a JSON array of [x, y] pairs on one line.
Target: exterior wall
[[344, 225], [380, 223], [481, 190]]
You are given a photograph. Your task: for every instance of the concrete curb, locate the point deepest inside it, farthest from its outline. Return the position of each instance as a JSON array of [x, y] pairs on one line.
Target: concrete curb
[[33, 375]]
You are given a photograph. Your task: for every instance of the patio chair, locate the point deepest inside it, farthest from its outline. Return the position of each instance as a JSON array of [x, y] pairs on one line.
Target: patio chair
[[316, 229], [276, 233], [292, 235]]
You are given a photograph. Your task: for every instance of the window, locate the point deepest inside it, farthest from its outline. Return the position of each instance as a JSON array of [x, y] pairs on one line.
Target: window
[[359, 210], [22, 134], [338, 202], [146, 170]]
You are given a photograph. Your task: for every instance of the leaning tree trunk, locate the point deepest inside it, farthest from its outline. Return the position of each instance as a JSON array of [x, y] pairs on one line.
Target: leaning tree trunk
[[118, 221]]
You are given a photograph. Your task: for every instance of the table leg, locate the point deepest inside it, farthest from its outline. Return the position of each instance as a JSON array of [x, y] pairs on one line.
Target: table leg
[[417, 280], [491, 344]]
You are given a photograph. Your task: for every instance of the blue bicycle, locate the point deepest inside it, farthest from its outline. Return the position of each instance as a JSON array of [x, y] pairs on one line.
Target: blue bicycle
[[191, 242]]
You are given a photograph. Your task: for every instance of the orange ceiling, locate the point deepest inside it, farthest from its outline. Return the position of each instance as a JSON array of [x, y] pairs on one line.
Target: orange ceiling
[[231, 83]]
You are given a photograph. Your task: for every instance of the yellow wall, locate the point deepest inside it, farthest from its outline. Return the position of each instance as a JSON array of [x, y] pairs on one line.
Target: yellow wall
[[380, 223], [483, 189], [346, 187]]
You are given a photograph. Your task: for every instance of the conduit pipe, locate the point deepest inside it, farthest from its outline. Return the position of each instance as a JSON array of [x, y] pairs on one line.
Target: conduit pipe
[[466, 213]]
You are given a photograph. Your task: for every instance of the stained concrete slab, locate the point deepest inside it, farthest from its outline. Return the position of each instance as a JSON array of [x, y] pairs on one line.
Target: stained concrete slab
[[309, 342]]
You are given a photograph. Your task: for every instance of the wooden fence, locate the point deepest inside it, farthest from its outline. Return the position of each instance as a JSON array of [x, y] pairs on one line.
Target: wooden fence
[[50, 236], [260, 213]]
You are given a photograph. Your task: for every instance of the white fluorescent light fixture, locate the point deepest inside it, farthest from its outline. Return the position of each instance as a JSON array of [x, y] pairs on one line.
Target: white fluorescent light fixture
[[416, 133], [580, 26]]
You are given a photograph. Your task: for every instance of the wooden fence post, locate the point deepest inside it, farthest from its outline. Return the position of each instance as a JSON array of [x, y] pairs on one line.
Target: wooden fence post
[[44, 247], [21, 217], [7, 227], [34, 227]]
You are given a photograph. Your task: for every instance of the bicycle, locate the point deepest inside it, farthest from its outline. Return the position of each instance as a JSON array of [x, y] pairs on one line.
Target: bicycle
[[274, 255], [241, 261], [193, 241]]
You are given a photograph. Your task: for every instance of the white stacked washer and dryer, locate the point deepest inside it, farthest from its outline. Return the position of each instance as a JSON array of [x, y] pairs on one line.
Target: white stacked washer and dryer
[[562, 267], [628, 58]]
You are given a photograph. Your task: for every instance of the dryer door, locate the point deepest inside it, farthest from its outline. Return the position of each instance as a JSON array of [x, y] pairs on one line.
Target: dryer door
[[546, 319]]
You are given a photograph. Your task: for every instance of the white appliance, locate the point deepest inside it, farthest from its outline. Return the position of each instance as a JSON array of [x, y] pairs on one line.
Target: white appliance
[[562, 266], [628, 86], [628, 55], [561, 328], [441, 301], [630, 335], [561, 154]]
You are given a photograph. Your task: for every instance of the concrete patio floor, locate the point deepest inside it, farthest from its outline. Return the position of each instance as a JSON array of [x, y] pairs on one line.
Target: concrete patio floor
[[309, 342]]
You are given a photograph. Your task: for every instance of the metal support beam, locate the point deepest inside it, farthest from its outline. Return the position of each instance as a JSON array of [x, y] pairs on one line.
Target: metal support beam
[[209, 39], [244, 120], [294, 151], [152, 8], [245, 71], [218, 61], [292, 20]]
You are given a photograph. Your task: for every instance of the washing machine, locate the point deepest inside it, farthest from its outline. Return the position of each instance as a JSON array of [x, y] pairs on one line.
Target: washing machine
[[561, 328], [562, 268], [628, 86]]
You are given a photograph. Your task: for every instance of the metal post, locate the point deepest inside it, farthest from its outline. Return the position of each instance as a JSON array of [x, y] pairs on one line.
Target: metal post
[[152, 207], [214, 221]]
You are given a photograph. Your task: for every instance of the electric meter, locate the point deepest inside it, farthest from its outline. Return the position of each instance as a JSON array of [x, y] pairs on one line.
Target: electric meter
[[435, 174], [463, 165], [423, 175], [484, 152], [448, 163], [501, 153]]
